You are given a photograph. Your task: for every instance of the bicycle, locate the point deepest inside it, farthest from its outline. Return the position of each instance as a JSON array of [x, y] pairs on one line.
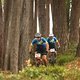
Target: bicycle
[[38, 60], [52, 56]]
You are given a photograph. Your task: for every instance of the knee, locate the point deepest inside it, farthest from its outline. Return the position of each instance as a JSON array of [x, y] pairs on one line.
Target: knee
[[44, 58]]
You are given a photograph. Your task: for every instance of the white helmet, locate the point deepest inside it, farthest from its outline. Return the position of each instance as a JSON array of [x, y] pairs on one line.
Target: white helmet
[[51, 35]]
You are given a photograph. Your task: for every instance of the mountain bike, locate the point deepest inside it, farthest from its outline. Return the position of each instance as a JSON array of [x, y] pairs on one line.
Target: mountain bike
[[38, 60], [52, 56]]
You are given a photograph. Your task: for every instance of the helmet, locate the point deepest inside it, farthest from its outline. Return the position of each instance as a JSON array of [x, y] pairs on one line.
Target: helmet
[[51, 35], [37, 35]]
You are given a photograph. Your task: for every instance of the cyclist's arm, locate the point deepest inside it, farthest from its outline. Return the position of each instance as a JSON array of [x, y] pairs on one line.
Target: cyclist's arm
[[32, 44], [58, 43], [47, 46]]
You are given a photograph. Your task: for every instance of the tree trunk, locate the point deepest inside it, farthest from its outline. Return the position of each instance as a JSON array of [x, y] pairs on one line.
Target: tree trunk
[[42, 17], [1, 36], [26, 32], [78, 47], [35, 16], [7, 12], [68, 3], [60, 23], [74, 28], [47, 18], [12, 47], [78, 15]]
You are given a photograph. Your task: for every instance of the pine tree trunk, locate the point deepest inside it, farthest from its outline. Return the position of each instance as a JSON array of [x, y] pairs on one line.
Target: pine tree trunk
[[60, 23], [78, 15], [12, 47], [1, 36], [35, 17], [26, 32], [42, 17], [47, 18], [74, 28], [7, 12], [78, 47]]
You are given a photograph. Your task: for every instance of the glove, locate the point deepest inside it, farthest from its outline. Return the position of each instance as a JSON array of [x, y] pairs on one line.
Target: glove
[[58, 47], [46, 51]]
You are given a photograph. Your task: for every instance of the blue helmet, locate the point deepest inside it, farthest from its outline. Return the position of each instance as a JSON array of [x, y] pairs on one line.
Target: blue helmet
[[37, 35]]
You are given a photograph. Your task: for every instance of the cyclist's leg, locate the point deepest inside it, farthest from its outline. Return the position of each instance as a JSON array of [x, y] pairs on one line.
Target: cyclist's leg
[[37, 59], [44, 58]]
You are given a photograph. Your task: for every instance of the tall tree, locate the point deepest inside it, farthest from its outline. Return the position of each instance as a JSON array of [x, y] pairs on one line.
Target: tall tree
[[7, 10], [35, 15], [74, 28], [78, 47], [26, 31], [60, 22], [68, 8], [47, 17], [42, 17], [78, 15], [1, 36], [12, 47]]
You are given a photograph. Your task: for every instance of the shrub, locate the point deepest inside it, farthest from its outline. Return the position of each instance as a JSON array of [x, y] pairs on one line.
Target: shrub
[[1, 76], [62, 59]]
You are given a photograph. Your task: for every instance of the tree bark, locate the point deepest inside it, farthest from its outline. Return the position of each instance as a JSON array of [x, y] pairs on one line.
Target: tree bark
[[47, 27], [78, 15], [26, 32], [78, 47], [42, 18], [74, 28], [12, 46], [1, 36], [7, 12], [60, 23]]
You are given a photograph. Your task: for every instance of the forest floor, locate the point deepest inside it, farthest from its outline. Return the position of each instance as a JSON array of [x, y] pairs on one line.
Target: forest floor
[[72, 64], [68, 71]]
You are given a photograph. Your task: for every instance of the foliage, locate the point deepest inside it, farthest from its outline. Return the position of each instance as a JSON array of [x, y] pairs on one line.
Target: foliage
[[56, 72], [49, 73], [62, 59], [44, 73], [68, 56], [1, 76]]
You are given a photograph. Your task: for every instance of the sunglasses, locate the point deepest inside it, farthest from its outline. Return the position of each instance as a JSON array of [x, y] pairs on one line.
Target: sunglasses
[[38, 37]]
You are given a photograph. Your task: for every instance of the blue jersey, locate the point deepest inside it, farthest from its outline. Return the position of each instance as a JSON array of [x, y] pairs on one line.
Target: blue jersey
[[52, 42], [41, 44]]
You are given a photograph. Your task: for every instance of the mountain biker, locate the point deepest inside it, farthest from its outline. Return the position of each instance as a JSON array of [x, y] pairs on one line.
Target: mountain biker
[[42, 47], [52, 40]]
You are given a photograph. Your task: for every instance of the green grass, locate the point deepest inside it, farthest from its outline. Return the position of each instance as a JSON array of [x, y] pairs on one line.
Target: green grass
[[44, 73], [57, 72], [65, 58]]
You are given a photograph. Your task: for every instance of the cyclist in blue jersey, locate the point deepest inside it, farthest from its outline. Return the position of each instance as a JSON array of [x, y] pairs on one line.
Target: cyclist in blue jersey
[[52, 40], [42, 47]]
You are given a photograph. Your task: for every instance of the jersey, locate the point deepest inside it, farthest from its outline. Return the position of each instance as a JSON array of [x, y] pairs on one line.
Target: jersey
[[52, 42], [41, 44]]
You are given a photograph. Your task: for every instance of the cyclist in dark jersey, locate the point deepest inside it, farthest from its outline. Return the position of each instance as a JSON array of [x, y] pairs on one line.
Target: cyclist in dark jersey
[[52, 40], [42, 47]]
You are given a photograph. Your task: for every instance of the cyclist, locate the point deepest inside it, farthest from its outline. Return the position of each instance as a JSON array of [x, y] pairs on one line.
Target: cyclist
[[52, 40], [42, 47]]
